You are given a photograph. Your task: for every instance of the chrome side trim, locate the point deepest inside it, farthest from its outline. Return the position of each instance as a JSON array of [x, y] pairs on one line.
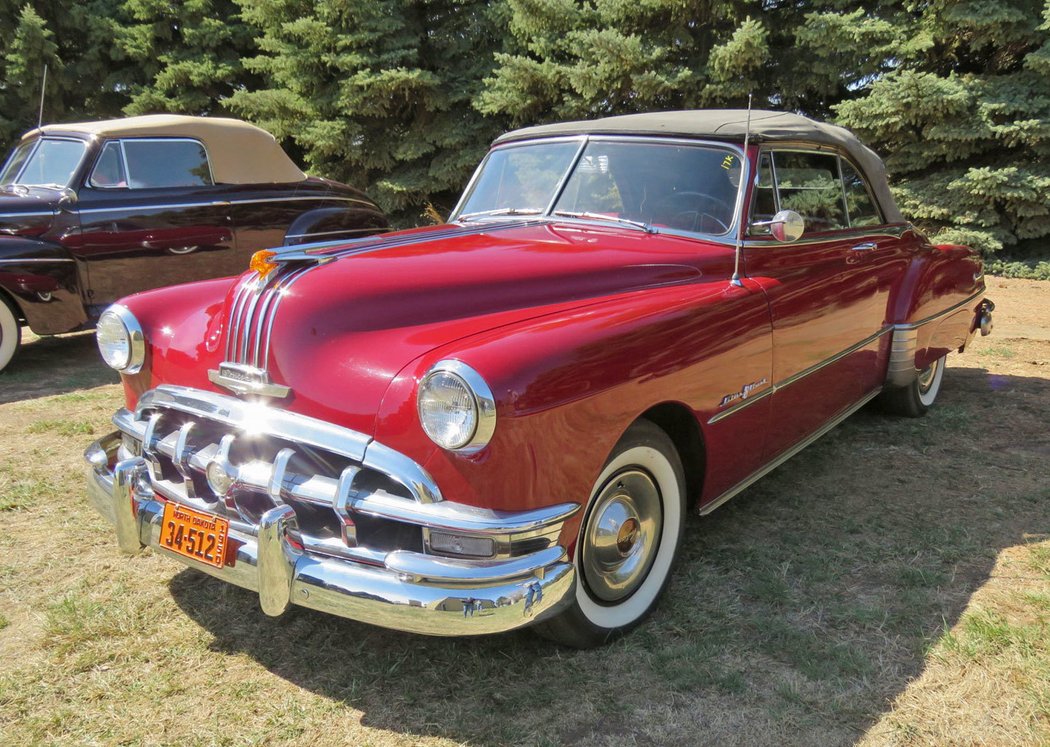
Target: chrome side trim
[[894, 230], [800, 375], [34, 261], [763, 471], [833, 359], [27, 214], [326, 233], [221, 203], [939, 314]]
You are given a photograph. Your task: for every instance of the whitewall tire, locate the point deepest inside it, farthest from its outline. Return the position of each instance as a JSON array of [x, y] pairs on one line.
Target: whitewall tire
[[628, 540], [10, 333], [915, 399]]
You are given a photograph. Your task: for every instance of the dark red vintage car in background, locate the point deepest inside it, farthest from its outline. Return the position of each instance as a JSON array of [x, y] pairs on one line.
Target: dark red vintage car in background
[[95, 211], [504, 420]]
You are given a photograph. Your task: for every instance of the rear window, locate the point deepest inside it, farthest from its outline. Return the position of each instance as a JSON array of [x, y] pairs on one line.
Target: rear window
[[155, 164]]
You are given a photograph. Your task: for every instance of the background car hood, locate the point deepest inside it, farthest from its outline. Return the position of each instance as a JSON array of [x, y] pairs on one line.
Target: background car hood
[[345, 328]]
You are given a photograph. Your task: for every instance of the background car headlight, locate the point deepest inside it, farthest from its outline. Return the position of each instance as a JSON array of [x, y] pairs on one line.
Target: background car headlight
[[456, 407], [120, 340]]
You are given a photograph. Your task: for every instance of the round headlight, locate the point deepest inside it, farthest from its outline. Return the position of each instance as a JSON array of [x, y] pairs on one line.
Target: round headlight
[[456, 408], [120, 340]]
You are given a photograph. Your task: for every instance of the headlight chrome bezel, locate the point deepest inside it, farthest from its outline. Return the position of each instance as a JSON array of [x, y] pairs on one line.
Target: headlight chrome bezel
[[133, 332], [483, 401]]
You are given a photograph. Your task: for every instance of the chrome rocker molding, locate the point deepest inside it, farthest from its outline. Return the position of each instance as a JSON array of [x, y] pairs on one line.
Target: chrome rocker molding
[[411, 591]]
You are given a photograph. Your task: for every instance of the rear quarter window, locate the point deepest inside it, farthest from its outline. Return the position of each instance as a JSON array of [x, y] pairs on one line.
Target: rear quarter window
[[155, 164]]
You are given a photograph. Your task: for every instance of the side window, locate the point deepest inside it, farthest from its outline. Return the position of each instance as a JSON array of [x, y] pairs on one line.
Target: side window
[[109, 172], [862, 211], [166, 163], [764, 202], [809, 184]]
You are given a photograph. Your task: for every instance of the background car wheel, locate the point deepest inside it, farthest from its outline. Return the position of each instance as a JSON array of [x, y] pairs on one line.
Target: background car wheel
[[10, 333], [628, 540], [914, 400]]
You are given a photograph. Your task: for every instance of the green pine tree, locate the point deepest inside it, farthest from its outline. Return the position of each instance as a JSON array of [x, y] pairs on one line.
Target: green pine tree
[[189, 52], [376, 92], [964, 125]]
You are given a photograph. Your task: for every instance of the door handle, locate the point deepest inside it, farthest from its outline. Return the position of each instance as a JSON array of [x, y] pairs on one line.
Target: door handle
[[867, 246]]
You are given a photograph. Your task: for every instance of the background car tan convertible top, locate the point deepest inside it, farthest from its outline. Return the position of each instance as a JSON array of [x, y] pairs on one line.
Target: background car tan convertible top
[[730, 125], [239, 153]]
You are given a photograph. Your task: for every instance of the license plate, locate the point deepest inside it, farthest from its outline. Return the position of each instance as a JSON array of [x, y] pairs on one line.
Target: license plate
[[194, 534]]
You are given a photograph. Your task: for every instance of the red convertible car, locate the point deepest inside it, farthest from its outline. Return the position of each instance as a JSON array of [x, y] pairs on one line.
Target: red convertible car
[[503, 421]]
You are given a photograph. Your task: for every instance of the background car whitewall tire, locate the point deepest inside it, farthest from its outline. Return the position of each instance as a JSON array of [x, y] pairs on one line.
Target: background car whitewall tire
[[10, 333], [628, 540]]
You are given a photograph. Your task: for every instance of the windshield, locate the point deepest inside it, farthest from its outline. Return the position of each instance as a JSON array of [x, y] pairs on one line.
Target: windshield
[[652, 184], [44, 163]]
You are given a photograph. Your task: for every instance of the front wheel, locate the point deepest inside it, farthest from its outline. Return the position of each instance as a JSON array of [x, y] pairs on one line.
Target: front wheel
[[914, 400], [10, 333], [628, 541]]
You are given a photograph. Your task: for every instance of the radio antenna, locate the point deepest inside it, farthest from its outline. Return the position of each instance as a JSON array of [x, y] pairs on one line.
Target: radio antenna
[[43, 89], [743, 223]]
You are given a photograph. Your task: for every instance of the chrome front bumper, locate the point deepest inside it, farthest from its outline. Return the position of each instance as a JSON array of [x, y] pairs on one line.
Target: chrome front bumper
[[411, 591]]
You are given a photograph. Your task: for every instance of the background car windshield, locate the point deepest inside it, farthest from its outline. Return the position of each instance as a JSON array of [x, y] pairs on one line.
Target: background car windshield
[[682, 187], [52, 162]]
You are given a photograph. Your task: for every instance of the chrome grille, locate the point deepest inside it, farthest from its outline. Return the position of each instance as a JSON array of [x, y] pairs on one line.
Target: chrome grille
[[352, 496]]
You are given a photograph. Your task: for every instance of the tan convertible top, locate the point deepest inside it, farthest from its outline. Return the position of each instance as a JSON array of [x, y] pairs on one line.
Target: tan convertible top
[[240, 153], [730, 124]]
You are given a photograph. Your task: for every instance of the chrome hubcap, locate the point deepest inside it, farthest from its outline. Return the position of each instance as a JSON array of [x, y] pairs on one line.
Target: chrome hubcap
[[926, 377], [622, 535]]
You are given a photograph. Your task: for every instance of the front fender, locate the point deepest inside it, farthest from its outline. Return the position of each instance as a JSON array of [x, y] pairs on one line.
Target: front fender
[[43, 281], [568, 385]]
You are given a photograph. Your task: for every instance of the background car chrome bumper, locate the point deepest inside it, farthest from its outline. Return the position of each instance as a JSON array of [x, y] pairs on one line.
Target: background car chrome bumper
[[412, 592]]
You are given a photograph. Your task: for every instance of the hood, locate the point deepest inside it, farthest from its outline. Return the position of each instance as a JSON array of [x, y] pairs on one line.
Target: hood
[[27, 211], [339, 331]]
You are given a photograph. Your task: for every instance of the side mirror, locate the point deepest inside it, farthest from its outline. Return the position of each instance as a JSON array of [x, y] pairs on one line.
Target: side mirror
[[786, 226]]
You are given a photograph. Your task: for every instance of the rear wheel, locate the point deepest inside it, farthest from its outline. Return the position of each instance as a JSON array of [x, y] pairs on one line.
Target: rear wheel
[[10, 333], [628, 541], [914, 400]]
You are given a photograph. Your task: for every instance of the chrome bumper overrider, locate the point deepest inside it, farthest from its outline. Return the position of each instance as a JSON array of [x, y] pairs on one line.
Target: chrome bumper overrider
[[410, 591]]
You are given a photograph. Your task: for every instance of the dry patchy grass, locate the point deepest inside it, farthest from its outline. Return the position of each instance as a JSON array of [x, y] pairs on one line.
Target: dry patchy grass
[[890, 585]]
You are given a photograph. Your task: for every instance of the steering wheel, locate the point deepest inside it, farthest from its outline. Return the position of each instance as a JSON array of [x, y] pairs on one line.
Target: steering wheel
[[685, 211]]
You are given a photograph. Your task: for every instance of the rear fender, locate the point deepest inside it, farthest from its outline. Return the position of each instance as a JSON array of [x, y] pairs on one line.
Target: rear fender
[[935, 310], [334, 223], [42, 281]]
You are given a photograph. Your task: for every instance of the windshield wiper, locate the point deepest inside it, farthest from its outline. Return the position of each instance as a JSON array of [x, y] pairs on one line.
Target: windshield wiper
[[500, 211], [611, 218]]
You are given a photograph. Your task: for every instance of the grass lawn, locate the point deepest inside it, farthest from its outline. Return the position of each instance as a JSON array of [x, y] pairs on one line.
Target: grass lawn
[[890, 585]]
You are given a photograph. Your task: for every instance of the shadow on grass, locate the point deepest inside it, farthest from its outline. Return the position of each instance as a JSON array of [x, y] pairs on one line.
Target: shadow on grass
[[54, 365], [795, 616]]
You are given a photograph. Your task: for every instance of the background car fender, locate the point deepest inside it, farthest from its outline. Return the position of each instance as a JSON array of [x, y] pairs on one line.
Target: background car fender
[[42, 281], [568, 385], [332, 223]]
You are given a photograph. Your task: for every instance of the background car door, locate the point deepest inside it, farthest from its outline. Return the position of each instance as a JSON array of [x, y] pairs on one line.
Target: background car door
[[151, 216], [828, 292]]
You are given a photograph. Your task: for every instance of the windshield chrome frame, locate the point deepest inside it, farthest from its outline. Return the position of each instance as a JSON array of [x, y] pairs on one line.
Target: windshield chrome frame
[[36, 147], [728, 237]]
